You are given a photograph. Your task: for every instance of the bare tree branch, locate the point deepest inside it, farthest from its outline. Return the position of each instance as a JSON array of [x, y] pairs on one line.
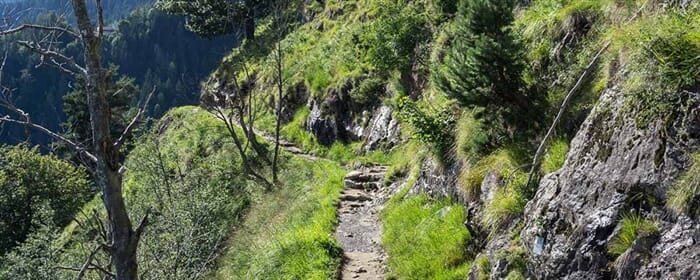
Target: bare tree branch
[[134, 121], [60, 63], [76, 147], [38, 27], [87, 263]]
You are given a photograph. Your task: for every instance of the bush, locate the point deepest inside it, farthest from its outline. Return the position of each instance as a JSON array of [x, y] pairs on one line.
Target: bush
[[507, 204], [426, 239], [683, 196], [432, 129], [368, 92], [29, 180], [502, 161], [632, 226], [391, 39]]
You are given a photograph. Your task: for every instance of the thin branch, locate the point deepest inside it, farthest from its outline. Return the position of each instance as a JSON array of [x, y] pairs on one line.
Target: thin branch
[[142, 225], [54, 55], [78, 149], [87, 263], [38, 27], [134, 121]]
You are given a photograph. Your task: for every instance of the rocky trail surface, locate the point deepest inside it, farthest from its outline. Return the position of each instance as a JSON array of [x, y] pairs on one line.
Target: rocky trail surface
[[359, 230]]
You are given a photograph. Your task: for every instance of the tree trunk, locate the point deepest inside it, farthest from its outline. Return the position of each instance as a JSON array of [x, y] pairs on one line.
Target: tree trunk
[[250, 20], [107, 176]]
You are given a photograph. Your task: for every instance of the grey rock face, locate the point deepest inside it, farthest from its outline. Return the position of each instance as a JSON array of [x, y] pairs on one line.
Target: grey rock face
[[676, 255], [324, 127], [611, 161], [383, 130], [437, 182]]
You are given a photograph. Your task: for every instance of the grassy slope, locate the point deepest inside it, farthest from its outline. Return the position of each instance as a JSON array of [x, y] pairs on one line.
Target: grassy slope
[[288, 233]]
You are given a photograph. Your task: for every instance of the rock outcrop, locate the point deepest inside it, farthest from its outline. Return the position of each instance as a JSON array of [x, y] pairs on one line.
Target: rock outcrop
[[613, 166]]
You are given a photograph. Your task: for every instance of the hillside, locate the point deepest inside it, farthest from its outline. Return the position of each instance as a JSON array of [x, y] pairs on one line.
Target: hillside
[[411, 134]]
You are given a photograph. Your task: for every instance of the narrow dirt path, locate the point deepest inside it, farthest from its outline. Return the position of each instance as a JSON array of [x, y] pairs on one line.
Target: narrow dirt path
[[359, 230]]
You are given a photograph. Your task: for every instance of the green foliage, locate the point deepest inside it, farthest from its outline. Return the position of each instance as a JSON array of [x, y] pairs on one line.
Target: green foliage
[[483, 63], [31, 183], [288, 235], [508, 202], [470, 137], [684, 197], [632, 226], [555, 156], [368, 92], [502, 162], [35, 258], [431, 129], [120, 93], [426, 239], [665, 63], [212, 18], [391, 39], [483, 267]]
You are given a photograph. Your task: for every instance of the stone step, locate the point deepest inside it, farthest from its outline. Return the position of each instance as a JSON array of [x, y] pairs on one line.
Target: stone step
[[349, 184], [355, 196], [362, 176]]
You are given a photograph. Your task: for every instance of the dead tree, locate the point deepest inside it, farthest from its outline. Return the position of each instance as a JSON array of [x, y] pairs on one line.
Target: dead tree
[[103, 157], [279, 22]]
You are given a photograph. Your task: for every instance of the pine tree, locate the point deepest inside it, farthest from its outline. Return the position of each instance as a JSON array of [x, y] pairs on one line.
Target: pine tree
[[482, 66]]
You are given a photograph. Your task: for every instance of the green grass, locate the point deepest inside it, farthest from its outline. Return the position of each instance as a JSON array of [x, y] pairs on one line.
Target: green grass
[[683, 196], [632, 226], [426, 239], [288, 233], [483, 266], [502, 161], [470, 137], [555, 156]]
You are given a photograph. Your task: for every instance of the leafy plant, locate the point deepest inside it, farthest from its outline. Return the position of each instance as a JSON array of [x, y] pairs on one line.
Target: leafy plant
[[432, 129]]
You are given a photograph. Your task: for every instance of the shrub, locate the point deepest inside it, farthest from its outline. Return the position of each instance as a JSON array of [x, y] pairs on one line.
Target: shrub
[[683, 196], [507, 204], [555, 156], [368, 92], [432, 129], [502, 162], [484, 267], [632, 226], [390, 40], [29, 180]]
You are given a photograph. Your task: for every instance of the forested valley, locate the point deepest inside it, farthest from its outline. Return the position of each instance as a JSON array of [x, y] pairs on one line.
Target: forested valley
[[350, 139]]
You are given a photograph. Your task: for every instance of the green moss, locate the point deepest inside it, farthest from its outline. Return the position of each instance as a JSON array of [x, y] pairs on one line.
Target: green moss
[[632, 226], [426, 239]]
